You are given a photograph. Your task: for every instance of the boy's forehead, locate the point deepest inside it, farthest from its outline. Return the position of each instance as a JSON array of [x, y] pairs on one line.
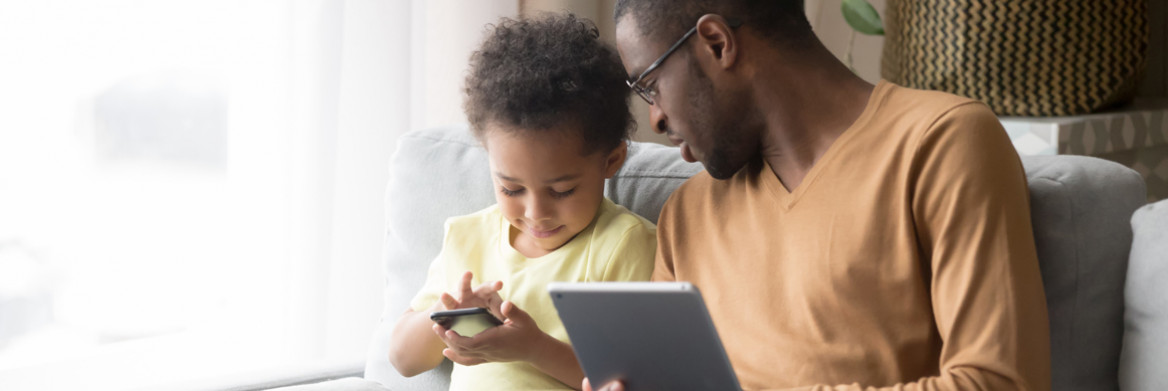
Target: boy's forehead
[[541, 156], [562, 136]]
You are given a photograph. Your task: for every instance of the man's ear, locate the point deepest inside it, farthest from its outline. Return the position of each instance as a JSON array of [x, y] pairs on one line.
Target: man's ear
[[616, 159], [717, 39]]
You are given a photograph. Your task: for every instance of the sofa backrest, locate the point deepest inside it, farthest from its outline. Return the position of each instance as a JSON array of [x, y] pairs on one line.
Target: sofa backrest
[[1080, 210], [1080, 207]]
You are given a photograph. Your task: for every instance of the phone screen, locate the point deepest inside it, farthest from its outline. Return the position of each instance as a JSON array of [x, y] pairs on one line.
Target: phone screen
[[466, 322]]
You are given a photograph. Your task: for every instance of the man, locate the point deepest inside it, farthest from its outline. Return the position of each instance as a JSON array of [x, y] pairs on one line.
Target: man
[[845, 236]]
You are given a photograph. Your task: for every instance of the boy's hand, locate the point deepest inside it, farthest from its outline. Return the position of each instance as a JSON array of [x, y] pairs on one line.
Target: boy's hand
[[518, 339], [485, 295]]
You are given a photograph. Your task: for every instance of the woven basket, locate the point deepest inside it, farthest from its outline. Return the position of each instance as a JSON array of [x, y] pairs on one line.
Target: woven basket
[[1021, 57]]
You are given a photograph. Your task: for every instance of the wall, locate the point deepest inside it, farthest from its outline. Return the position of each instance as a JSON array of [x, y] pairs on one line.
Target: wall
[[828, 23], [1156, 79]]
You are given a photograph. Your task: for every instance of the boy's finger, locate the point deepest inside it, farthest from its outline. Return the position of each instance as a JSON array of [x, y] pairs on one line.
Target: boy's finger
[[514, 314], [465, 285], [440, 331], [460, 359], [488, 288], [448, 301]]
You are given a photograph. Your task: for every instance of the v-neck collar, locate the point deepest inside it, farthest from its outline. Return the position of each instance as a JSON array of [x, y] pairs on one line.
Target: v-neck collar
[[788, 199]]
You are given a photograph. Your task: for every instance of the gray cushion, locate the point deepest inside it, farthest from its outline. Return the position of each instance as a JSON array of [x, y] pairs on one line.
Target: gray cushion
[[1145, 343], [443, 172], [1080, 208]]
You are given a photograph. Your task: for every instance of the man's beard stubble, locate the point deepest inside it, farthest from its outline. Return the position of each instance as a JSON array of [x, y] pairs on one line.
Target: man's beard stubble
[[720, 159]]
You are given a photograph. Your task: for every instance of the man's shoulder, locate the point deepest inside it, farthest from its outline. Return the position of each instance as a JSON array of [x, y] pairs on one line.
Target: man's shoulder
[[926, 107], [910, 115], [693, 188], [702, 193]]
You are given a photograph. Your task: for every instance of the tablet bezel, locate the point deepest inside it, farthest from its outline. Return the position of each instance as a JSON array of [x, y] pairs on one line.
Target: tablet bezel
[[651, 335]]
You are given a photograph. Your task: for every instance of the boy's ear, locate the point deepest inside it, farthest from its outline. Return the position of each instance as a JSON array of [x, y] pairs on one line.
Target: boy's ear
[[616, 159]]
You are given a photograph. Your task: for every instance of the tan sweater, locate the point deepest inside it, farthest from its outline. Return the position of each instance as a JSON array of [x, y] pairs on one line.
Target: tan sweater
[[905, 258]]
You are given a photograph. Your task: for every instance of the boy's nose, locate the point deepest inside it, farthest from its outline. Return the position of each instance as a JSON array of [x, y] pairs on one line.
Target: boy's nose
[[538, 208]]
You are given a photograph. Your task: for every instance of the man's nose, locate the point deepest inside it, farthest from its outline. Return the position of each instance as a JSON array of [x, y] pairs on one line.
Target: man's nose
[[657, 118]]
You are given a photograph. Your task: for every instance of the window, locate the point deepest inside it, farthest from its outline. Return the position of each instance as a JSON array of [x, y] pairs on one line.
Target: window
[[182, 195]]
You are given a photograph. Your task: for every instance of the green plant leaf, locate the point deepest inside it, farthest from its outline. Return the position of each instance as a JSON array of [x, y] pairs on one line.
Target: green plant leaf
[[862, 17]]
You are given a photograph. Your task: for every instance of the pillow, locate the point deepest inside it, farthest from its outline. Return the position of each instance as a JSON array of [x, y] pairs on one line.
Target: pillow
[[1145, 339]]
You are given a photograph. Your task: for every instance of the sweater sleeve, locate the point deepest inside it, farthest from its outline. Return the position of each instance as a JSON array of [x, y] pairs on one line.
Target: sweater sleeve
[[663, 263], [972, 212]]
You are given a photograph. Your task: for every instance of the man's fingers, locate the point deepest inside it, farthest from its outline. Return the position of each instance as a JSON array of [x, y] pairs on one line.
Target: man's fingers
[[613, 386]]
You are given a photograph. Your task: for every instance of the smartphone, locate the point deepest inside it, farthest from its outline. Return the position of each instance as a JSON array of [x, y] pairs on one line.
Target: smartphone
[[466, 321]]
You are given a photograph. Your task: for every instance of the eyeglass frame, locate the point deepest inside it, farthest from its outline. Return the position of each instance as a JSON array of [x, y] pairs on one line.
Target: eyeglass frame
[[648, 94]]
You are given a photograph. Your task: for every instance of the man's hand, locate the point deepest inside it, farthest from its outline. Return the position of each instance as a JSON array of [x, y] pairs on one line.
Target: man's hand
[[614, 385], [518, 339], [485, 295]]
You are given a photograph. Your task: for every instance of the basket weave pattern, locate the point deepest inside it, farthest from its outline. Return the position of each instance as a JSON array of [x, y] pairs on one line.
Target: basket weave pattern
[[1021, 57]]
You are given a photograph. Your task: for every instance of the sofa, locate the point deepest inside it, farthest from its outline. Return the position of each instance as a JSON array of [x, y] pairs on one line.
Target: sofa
[[1082, 211]]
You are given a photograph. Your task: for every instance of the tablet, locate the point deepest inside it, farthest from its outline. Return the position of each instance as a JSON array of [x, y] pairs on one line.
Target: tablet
[[651, 335]]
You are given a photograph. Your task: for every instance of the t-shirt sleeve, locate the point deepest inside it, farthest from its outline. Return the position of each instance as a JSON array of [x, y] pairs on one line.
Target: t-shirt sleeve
[[435, 283], [632, 258], [972, 211]]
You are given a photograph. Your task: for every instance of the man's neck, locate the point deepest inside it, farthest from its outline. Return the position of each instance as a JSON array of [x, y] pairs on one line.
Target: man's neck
[[806, 106]]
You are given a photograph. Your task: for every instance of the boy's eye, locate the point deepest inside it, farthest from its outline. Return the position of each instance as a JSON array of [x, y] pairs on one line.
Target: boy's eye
[[563, 194], [509, 192]]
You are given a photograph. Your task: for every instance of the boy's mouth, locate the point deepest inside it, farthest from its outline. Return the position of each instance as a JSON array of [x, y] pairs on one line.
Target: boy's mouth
[[538, 233]]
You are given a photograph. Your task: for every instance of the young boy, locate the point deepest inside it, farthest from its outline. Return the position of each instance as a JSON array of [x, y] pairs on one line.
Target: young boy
[[548, 102]]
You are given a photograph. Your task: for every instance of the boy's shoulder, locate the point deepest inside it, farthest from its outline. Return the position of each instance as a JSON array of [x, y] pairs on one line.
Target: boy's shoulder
[[614, 219], [478, 220]]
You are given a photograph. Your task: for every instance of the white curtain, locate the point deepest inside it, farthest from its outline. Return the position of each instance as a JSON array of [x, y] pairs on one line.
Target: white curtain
[[193, 189]]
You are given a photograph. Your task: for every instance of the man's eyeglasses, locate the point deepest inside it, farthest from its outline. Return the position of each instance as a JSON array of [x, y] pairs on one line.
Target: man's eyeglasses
[[647, 93]]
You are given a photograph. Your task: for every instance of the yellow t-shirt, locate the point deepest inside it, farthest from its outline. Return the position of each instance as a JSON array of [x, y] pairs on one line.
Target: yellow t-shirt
[[617, 246], [904, 259]]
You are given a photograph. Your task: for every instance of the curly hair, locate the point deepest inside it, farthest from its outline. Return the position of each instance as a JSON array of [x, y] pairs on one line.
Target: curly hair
[[549, 73]]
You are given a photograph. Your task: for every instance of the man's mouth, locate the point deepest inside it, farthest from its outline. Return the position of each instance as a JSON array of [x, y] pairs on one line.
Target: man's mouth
[[686, 152]]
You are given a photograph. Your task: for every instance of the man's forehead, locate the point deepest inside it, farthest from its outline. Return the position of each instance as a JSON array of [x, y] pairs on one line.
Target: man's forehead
[[637, 50]]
